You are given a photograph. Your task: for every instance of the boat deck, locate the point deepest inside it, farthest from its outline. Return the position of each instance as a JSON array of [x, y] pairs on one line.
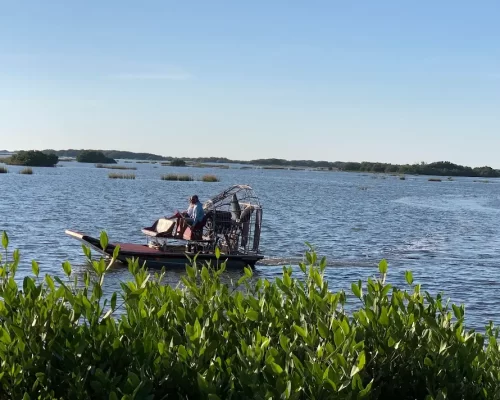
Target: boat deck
[[145, 249]]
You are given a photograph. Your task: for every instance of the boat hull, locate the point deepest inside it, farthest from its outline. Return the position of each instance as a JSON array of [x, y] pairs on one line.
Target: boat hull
[[154, 258]]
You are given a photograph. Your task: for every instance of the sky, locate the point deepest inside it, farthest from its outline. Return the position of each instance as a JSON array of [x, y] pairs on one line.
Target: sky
[[390, 81]]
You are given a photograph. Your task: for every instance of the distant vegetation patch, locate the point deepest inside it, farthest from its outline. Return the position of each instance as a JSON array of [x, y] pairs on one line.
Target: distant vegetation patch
[[115, 154], [33, 158], [434, 180], [114, 166], [210, 178], [440, 168], [114, 175], [176, 177], [178, 162], [201, 165], [483, 181], [3, 170], [93, 156], [26, 171]]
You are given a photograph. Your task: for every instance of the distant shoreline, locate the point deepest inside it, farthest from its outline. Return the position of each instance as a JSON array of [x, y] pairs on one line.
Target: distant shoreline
[[440, 168]]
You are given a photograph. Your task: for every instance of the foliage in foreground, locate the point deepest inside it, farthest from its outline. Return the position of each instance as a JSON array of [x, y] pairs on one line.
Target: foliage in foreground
[[287, 339], [33, 158]]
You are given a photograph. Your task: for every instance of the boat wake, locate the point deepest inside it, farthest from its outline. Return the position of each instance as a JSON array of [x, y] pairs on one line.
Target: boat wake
[[294, 261]]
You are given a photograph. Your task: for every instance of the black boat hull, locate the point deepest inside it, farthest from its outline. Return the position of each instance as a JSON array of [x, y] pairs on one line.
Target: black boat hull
[[154, 258]]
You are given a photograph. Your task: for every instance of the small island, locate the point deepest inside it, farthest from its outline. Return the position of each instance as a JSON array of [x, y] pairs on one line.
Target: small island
[[94, 156], [32, 158], [178, 162]]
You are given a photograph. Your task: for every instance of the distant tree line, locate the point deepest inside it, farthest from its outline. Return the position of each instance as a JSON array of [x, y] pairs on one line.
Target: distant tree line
[[441, 168], [115, 154]]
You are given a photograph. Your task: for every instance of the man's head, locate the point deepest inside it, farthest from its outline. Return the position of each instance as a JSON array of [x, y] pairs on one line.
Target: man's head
[[194, 199]]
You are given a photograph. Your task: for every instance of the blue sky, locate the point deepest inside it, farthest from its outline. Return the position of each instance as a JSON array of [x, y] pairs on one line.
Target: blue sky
[[393, 81]]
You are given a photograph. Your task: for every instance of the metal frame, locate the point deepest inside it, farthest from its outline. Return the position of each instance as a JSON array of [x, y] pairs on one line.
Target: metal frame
[[234, 220]]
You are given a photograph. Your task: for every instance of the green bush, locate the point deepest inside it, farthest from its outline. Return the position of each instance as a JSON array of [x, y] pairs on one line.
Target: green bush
[[33, 158], [178, 162], [94, 156], [290, 338]]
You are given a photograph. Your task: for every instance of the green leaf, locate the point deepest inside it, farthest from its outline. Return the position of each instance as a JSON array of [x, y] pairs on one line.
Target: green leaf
[[113, 301], [5, 240], [86, 251], [382, 266], [276, 368], [217, 253], [4, 336], [284, 342], [202, 384], [133, 380], [354, 370], [162, 310], [196, 331], [338, 337], [50, 282], [67, 268], [384, 319], [409, 277], [322, 329], [205, 274], [428, 362], [113, 396], [356, 289], [318, 279], [116, 252], [287, 281], [301, 331], [361, 360], [457, 311], [366, 390], [248, 272], [26, 396], [302, 267], [161, 347], [104, 240], [35, 268], [182, 352], [252, 315]]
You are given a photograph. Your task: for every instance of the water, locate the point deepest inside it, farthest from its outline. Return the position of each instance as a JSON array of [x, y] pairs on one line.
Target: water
[[447, 233]]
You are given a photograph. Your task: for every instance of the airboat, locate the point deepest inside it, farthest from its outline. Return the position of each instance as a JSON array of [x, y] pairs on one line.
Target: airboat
[[232, 223]]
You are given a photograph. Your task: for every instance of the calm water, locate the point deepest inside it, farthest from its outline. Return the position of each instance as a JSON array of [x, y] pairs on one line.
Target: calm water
[[447, 233]]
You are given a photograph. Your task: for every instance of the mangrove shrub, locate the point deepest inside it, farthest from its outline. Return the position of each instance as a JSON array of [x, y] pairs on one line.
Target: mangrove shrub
[[33, 158], [286, 339], [93, 156]]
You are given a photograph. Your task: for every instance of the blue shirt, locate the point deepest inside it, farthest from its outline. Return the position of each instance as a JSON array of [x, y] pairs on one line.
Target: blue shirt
[[198, 213]]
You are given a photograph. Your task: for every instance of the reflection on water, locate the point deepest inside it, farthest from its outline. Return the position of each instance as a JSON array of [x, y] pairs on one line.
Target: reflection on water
[[447, 233]]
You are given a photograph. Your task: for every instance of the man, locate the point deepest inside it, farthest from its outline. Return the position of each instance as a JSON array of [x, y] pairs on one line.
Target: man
[[197, 212], [191, 217]]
